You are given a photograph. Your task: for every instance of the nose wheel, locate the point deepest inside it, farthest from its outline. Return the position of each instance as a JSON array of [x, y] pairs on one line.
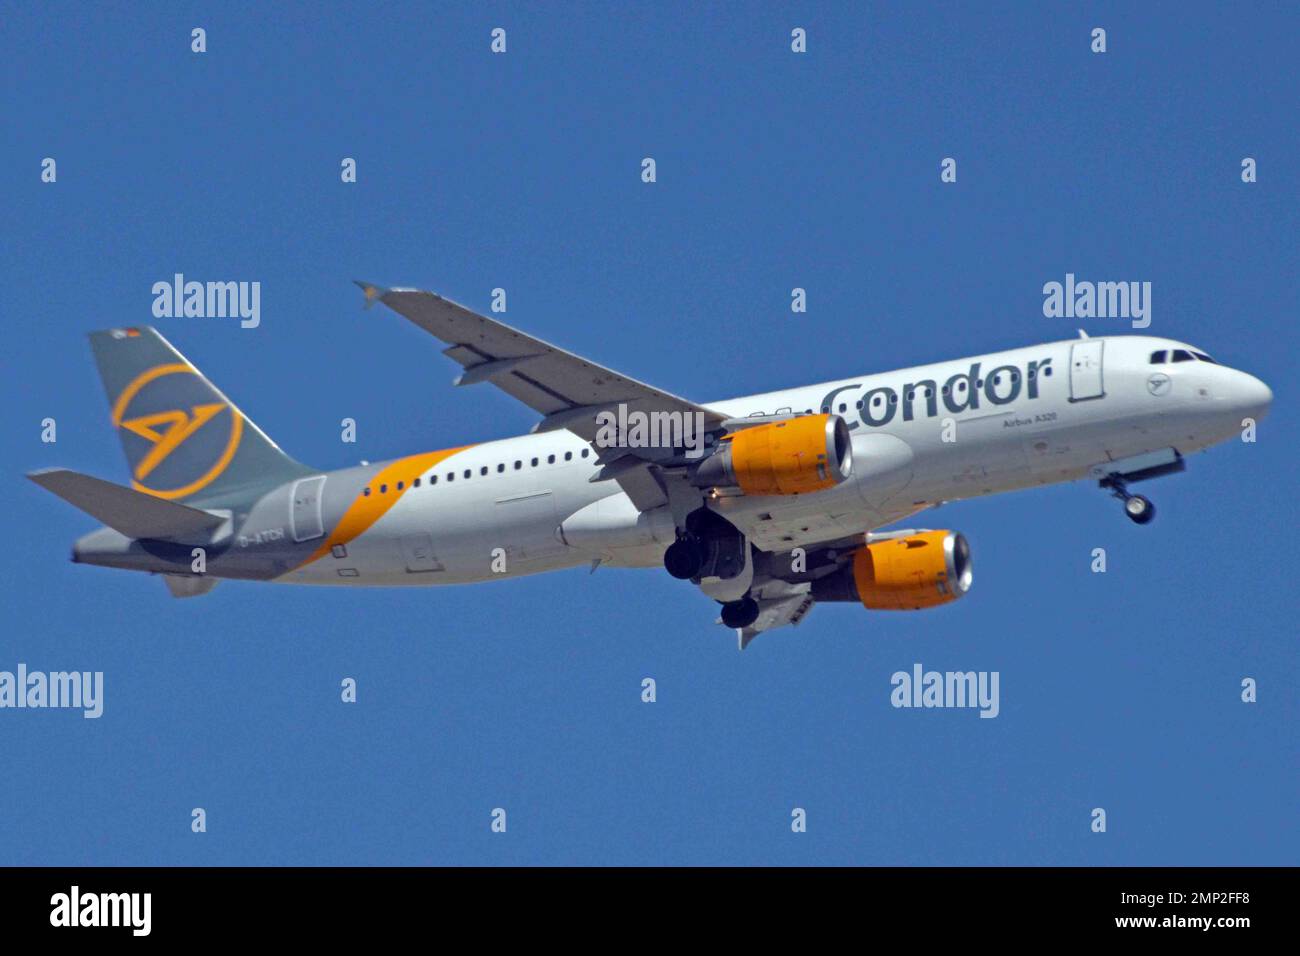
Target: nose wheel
[[1139, 509]]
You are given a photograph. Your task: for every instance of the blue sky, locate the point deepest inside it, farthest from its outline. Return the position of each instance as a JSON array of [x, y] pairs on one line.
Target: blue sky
[[775, 170]]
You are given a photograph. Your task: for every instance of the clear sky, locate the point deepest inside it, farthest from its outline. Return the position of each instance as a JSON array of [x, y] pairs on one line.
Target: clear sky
[[775, 170]]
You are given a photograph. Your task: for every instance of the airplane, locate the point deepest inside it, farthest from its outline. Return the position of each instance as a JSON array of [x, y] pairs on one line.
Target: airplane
[[768, 503]]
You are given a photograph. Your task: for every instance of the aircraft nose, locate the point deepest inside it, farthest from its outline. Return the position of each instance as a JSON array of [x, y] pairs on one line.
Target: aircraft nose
[[1251, 395]]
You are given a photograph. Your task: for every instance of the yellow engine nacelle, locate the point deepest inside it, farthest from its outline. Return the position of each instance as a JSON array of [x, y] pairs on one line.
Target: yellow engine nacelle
[[907, 573], [793, 457]]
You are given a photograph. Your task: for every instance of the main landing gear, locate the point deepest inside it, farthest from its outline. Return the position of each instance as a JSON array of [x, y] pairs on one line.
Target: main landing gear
[[684, 557], [712, 552], [708, 546], [1140, 510], [740, 614]]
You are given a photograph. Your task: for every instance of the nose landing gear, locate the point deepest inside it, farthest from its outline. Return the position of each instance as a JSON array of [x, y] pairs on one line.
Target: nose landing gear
[[1139, 509]]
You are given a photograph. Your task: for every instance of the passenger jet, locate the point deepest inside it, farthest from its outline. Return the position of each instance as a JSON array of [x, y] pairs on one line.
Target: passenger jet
[[768, 503]]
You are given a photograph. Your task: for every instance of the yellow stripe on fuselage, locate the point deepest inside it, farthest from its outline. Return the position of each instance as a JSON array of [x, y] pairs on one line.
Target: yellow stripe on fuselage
[[365, 510]]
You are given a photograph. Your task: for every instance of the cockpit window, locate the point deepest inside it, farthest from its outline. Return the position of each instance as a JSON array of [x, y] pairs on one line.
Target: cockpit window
[[1205, 358], [1182, 355], [1158, 358]]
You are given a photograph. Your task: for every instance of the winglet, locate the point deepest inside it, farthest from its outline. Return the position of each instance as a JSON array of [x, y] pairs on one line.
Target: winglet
[[373, 292]]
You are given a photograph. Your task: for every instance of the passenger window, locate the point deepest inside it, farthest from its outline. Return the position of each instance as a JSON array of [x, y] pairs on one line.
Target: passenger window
[[568, 456], [501, 467], [843, 407], [433, 479], [550, 459], [416, 483], [483, 470], [367, 492], [401, 485], [1181, 355], [584, 452], [383, 489], [518, 465], [451, 476], [1158, 358], [467, 473]]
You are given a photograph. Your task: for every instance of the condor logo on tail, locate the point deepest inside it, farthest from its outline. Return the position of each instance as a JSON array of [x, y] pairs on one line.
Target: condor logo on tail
[[170, 430]]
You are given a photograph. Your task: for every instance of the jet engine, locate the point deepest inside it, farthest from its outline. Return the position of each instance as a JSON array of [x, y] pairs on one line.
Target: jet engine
[[791, 457], [905, 573]]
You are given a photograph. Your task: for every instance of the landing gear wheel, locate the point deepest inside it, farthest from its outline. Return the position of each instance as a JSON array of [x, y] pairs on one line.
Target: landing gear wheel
[[740, 614], [684, 558], [1140, 510]]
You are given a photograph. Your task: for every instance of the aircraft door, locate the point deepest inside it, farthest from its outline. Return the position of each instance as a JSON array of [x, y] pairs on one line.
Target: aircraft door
[[1085, 370], [305, 516]]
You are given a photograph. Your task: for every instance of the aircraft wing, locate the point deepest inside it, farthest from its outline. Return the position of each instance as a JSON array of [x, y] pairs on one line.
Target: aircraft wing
[[568, 390]]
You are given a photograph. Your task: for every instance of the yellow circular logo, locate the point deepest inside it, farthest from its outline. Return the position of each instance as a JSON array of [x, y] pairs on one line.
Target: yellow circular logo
[[170, 429]]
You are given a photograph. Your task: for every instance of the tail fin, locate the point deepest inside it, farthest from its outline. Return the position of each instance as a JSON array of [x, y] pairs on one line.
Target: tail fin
[[183, 439]]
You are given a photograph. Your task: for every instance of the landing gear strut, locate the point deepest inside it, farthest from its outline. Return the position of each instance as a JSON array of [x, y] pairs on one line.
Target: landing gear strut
[[1140, 510], [740, 614]]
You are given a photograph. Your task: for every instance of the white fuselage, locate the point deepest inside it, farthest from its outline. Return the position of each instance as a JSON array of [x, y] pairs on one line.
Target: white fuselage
[[1043, 414]]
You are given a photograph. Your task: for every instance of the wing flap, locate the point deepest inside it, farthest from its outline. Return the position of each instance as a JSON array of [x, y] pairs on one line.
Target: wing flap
[[773, 614]]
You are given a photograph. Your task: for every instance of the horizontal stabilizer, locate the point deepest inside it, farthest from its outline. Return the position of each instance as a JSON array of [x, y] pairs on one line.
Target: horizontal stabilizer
[[131, 512]]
